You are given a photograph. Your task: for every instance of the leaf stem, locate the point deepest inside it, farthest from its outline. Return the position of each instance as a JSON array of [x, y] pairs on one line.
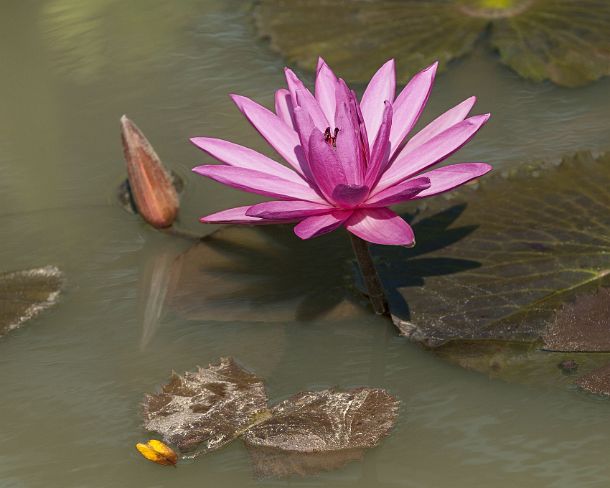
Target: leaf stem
[[369, 275]]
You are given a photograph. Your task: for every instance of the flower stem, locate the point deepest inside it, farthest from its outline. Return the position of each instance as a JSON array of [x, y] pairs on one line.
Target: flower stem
[[370, 276]]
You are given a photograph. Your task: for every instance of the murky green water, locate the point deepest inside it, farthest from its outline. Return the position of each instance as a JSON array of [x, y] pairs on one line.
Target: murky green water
[[72, 380]]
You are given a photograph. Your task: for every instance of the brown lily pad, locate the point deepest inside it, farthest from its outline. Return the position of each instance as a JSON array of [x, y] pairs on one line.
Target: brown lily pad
[[565, 41], [597, 381], [320, 430], [583, 325], [24, 294], [205, 409]]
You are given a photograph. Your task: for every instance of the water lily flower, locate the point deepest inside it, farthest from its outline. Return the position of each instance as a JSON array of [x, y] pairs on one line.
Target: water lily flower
[[349, 159]]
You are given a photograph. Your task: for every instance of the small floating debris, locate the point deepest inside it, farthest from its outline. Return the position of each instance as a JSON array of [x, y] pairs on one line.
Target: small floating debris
[[150, 185], [24, 294], [157, 452]]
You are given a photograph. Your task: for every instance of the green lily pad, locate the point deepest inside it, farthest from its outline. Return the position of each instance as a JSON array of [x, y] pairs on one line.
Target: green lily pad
[[205, 409], [541, 239], [24, 294], [565, 41]]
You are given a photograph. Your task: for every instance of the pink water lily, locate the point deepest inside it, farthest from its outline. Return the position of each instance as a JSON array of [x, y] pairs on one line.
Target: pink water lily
[[348, 159]]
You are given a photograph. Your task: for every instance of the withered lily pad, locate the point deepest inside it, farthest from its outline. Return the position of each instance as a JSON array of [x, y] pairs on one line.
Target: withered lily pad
[[205, 409], [320, 430], [565, 41], [24, 294], [541, 238]]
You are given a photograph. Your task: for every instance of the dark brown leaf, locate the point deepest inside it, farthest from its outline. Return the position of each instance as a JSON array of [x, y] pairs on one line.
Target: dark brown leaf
[[204, 410]]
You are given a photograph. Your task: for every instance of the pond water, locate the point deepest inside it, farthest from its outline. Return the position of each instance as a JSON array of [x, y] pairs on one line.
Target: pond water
[[72, 380]]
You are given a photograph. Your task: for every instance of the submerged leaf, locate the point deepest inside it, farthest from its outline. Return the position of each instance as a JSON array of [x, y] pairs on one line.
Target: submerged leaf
[[264, 274], [24, 294], [565, 41], [157, 452], [364, 34], [320, 430], [541, 238], [204, 410]]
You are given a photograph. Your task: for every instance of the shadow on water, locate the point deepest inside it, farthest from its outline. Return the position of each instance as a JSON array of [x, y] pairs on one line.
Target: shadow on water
[[266, 273]]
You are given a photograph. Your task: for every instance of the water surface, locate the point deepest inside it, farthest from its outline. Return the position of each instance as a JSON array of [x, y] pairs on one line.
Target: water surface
[[73, 379]]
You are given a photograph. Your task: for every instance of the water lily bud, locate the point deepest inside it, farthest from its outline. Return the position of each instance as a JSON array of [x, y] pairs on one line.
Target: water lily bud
[[151, 185]]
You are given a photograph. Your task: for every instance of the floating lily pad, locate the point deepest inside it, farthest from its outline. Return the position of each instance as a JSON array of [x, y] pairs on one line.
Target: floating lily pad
[[565, 41], [320, 430], [205, 409], [24, 294], [541, 238]]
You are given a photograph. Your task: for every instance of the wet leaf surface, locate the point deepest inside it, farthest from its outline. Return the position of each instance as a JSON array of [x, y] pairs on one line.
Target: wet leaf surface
[[565, 41], [320, 430], [24, 294], [205, 409], [597, 381], [583, 325], [540, 237]]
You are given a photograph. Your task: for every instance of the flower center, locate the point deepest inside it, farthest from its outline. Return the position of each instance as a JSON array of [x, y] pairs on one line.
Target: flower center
[[331, 139], [494, 9]]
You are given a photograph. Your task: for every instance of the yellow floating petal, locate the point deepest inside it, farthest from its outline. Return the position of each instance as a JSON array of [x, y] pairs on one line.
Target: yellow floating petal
[[157, 452]]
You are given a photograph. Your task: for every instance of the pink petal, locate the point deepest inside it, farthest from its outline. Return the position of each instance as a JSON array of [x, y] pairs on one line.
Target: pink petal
[[326, 85], [275, 131], [321, 224], [411, 162], [409, 105], [441, 123], [288, 210], [407, 190], [382, 87], [381, 149], [283, 106], [448, 177], [301, 96], [304, 126], [380, 226], [243, 157], [256, 182], [325, 167], [348, 148], [349, 196], [234, 216]]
